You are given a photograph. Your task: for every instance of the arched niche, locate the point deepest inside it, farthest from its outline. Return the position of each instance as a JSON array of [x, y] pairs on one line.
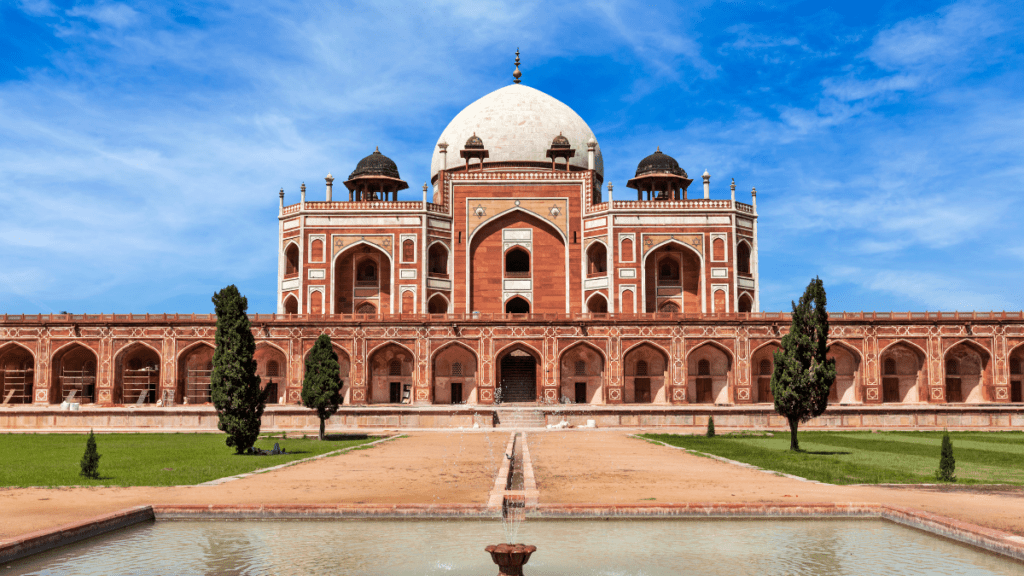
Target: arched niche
[[672, 274], [517, 379], [291, 304], [709, 369], [645, 375], [437, 304], [762, 364], [597, 304], [902, 367], [454, 370], [597, 259], [136, 375], [517, 305], [965, 370], [743, 259], [437, 260], [745, 304], [362, 275], [390, 369], [581, 375], [845, 389], [74, 372], [17, 374], [291, 260], [195, 366]]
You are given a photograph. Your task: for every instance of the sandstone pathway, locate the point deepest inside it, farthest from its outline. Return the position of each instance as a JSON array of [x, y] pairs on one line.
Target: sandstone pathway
[[609, 467]]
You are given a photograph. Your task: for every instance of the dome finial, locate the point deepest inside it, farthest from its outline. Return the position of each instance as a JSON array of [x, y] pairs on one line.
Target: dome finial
[[376, 149], [658, 149], [517, 74]]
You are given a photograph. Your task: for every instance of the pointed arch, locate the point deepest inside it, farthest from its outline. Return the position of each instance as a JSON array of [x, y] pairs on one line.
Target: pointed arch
[[545, 221], [760, 383], [905, 385], [715, 387], [516, 377], [743, 253], [337, 290], [517, 305], [292, 258], [597, 303], [646, 370], [454, 369], [290, 304], [17, 373], [132, 384], [583, 382], [646, 274], [74, 367], [923, 353], [438, 301], [964, 385], [386, 387], [194, 363]]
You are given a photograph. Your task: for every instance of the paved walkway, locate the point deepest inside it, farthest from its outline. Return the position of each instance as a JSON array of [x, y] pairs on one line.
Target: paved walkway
[[575, 466]]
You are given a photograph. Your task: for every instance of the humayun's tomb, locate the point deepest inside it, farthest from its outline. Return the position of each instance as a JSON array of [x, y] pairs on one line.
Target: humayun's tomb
[[518, 281]]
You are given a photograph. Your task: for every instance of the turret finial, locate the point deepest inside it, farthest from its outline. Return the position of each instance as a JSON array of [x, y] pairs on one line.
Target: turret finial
[[517, 74]]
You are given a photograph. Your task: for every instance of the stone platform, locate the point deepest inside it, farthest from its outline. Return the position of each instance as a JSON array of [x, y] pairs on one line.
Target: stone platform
[[292, 417]]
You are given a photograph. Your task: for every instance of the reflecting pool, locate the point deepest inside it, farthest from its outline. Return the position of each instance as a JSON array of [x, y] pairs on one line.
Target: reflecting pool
[[565, 547]]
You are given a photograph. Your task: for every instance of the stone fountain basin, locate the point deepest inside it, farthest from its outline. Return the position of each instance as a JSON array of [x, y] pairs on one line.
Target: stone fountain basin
[[564, 547]]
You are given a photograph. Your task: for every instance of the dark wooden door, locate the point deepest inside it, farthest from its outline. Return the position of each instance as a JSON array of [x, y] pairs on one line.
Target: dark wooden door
[[581, 393], [396, 393], [704, 391], [953, 390], [518, 379], [456, 393], [1015, 391], [642, 390], [764, 390], [890, 389]]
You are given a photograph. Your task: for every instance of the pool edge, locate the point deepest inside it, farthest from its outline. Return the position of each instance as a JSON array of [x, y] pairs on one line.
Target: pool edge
[[48, 539]]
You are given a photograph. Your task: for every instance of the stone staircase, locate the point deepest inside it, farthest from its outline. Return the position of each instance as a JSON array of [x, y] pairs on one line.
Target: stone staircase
[[517, 418]]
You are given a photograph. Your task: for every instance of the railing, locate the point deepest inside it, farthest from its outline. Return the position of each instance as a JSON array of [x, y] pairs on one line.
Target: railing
[[488, 317], [695, 204], [369, 206]]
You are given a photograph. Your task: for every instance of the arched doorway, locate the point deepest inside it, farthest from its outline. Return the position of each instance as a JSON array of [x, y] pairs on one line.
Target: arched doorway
[[136, 375], [901, 370], [844, 391], [709, 369], [195, 367], [291, 304], [965, 370], [581, 373], [597, 304], [391, 369], [437, 305], [1017, 375], [455, 376], [17, 375], [272, 368], [74, 375], [517, 376], [646, 373], [762, 364]]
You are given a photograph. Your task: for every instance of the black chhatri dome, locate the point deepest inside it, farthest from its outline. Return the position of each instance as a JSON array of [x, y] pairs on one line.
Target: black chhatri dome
[[660, 162], [376, 164], [560, 143], [474, 143]]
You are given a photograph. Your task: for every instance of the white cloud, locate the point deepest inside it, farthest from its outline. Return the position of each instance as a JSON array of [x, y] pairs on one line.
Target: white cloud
[[37, 7], [107, 13]]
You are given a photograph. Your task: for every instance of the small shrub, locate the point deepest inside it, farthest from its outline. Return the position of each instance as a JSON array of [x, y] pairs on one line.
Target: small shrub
[[91, 459], [947, 464], [711, 427]]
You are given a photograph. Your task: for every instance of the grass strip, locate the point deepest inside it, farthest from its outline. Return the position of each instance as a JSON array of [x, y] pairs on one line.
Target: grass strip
[[146, 459], [863, 458]]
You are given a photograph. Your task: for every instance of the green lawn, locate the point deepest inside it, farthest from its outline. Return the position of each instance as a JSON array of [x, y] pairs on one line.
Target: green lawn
[[871, 458], [145, 459]]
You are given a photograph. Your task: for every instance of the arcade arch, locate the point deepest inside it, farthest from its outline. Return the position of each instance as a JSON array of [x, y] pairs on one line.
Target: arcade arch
[[1017, 374], [965, 367], [291, 304], [390, 370], [272, 368], [762, 364], [74, 375], [581, 375], [517, 367], [455, 375], [437, 304], [437, 260], [17, 374], [597, 259], [344, 367], [136, 375], [709, 367], [517, 305], [902, 366], [195, 367], [597, 304], [645, 375], [844, 391], [745, 304]]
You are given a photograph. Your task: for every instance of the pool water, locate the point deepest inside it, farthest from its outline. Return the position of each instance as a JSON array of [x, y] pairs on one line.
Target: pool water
[[565, 547]]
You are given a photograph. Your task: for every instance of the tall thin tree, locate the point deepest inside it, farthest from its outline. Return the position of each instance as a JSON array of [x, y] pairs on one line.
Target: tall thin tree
[[322, 382], [234, 385], [803, 373]]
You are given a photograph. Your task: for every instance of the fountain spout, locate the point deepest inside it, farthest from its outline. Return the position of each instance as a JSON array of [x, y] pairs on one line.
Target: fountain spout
[[510, 558]]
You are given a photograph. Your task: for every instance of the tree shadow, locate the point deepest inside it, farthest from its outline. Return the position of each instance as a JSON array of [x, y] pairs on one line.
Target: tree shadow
[[823, 453], [343, 437]]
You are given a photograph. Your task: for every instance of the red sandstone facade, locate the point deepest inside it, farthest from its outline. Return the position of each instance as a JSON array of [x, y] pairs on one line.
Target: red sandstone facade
[[519, 281]]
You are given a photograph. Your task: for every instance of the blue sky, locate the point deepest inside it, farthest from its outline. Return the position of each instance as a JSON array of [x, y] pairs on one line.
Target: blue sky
[[142, 145]]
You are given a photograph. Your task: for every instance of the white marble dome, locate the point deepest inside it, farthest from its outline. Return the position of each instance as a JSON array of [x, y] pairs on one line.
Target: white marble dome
[[517, 123]]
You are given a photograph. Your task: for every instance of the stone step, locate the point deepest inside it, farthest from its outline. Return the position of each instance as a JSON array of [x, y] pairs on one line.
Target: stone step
[[520, 418]]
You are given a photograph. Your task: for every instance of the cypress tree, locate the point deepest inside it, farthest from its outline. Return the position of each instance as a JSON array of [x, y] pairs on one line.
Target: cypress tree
[[91, 459], [322, 382], [803, 374], [234, 385], [711, 427], [947, 464]]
